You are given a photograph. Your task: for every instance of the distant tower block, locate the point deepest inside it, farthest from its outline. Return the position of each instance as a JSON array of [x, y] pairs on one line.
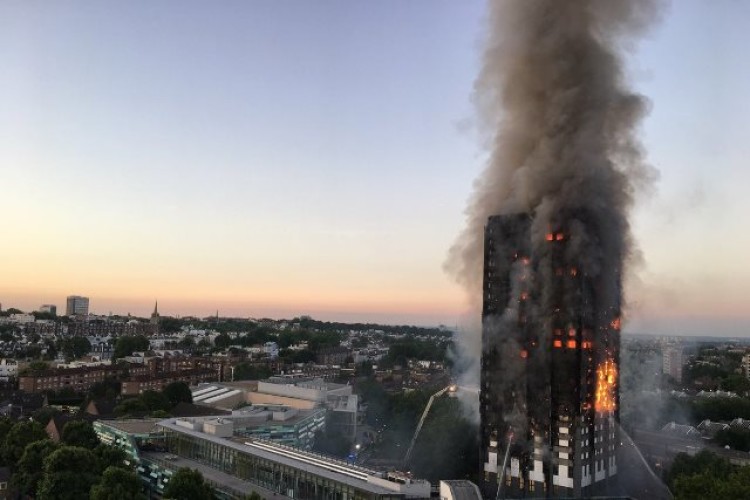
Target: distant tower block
[[549, 369], [77, 306]]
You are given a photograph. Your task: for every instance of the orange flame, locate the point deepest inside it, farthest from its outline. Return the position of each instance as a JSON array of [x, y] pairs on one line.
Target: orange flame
[[606, 385]]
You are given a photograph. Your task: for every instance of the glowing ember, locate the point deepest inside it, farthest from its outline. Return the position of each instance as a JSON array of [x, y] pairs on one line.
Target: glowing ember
[[606, 385], [616, 323]]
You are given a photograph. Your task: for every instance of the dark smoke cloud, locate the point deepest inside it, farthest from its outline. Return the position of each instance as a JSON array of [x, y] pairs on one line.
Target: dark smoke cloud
[[560, 125]]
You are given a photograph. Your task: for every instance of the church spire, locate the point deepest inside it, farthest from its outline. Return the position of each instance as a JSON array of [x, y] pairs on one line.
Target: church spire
[[155, 316]]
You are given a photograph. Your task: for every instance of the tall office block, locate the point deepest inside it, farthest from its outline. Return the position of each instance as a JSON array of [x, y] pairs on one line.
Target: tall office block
[[77, 306], [49, 308]]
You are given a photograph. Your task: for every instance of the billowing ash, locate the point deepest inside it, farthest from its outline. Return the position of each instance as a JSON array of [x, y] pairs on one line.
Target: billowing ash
[[561, 127]]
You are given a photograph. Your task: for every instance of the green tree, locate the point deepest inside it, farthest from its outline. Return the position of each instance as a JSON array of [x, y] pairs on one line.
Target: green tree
[[131, 406], [222, 341], [36, 366], [188, 484], [168, 324], [108, 388], [248, 371], [187, 342], [684, 465], [75, 347], [293, 356], [128, 344], [29, 469], [45, 414], [736, 382], [737, 439], [118, 484], [6, 425], [109, 456], [178, 392], [69, 474], [446, 445], [43, 315], [18, 437], [155, 401], [80, 433], [734, 485]]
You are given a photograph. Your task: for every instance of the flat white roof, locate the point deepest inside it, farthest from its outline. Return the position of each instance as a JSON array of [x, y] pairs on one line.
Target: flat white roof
[[320, 465]]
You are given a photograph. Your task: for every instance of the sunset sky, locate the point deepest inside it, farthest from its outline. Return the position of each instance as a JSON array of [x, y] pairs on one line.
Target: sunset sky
[[279, 157]]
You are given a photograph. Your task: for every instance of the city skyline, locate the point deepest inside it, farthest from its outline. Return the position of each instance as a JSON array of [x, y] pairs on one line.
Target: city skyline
[[283, 159]]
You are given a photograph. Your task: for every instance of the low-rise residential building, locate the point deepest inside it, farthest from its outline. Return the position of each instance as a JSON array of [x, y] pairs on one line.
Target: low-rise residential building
[[8, 369], [138, 384], [672, 362], [332, 355], [271, 349], [22, 318], [76, 379]]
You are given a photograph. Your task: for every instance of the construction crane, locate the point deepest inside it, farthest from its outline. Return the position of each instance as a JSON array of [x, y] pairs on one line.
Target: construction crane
[[451, 389]]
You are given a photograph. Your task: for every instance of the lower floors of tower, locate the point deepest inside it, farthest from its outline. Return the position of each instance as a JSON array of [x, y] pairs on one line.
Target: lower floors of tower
[[573, 458]]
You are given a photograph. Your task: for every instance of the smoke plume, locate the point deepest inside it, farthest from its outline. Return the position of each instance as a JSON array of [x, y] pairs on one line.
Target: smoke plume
[[560, 125]]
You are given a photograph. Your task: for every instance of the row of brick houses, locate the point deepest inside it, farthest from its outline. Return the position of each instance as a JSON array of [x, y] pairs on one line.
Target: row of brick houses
[[193, 376], [76, 379], [135, 377]]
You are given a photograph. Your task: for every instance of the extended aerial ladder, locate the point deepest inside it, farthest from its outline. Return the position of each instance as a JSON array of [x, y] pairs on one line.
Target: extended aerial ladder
[[451, 388]]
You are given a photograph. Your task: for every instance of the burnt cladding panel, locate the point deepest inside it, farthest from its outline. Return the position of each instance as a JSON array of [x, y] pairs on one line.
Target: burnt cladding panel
[[507, 247], [506, 239]]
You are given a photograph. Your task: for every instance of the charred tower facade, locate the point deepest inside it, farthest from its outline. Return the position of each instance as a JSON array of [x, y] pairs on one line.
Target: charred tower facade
[[550, 353]]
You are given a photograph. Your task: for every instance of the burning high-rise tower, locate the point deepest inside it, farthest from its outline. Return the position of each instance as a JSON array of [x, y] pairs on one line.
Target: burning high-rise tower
[[550, 352]]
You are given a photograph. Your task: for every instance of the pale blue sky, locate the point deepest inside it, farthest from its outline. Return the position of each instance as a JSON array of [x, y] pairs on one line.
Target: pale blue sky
[[284, 157]]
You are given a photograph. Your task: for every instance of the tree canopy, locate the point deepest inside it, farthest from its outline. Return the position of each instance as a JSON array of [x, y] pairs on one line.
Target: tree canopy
[[80, 433], [29, 469], [69, 474], [18, 437], [707, 476], [75, 347], [178, 392], [128, 344], [188, 484], [118, 484]]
